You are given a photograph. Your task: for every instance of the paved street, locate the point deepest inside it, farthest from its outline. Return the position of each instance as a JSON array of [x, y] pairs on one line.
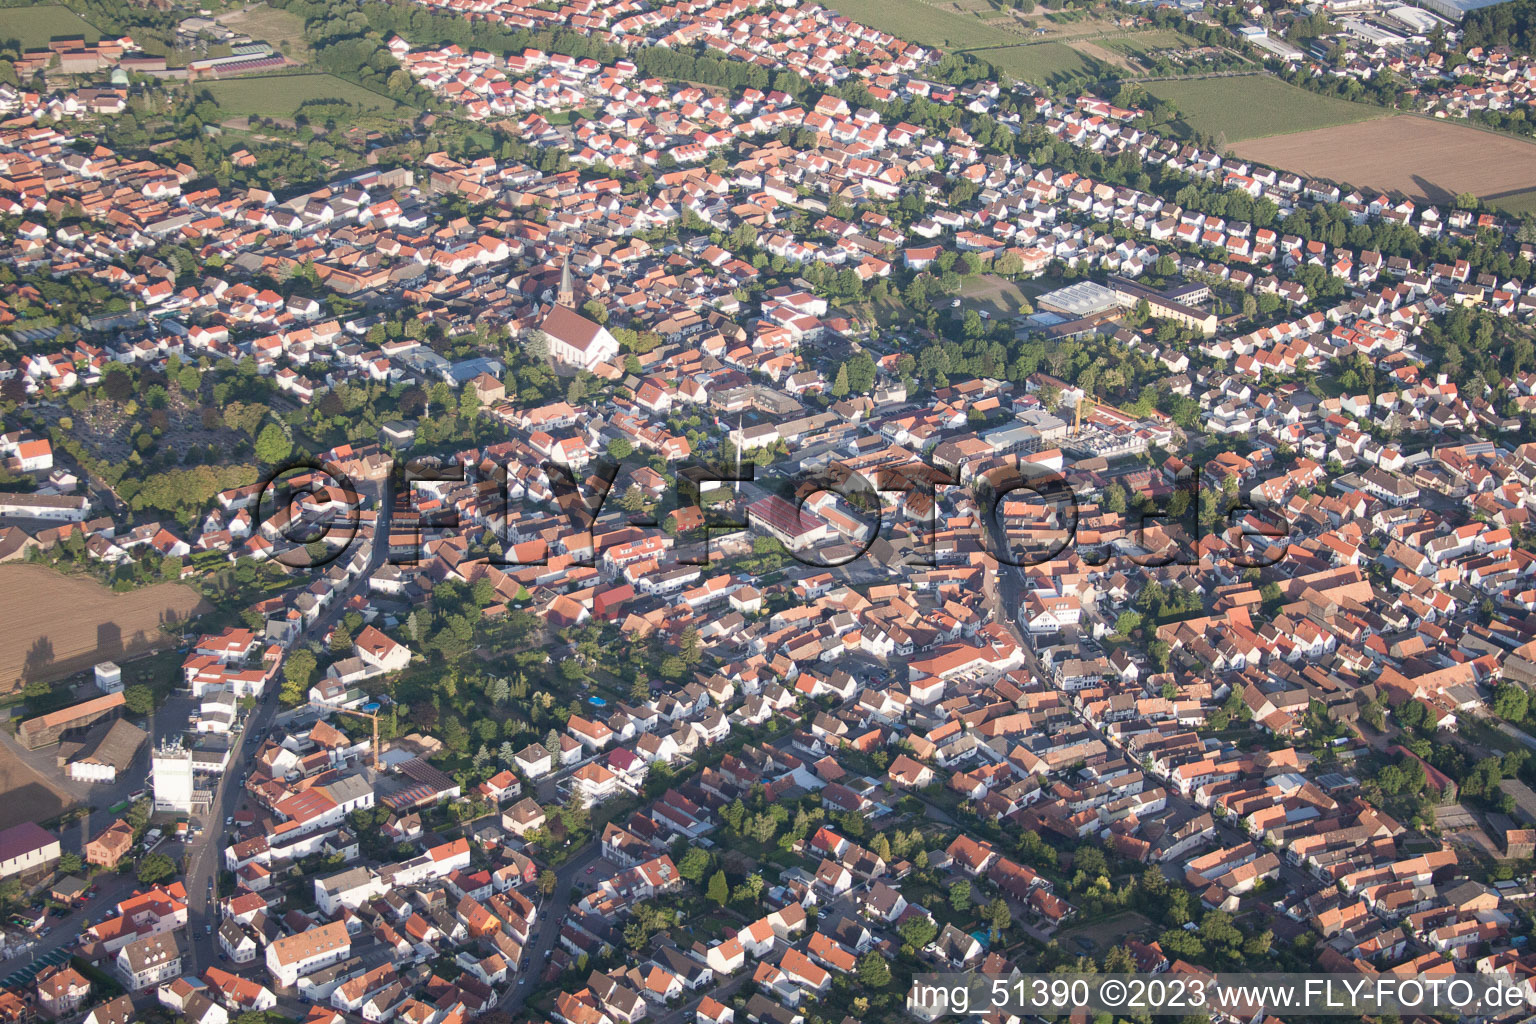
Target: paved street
[[207, 853], [547, 930]]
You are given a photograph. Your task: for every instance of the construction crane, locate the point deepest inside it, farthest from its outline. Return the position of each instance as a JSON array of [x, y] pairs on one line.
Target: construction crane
[[377, 764], [1077, 417]]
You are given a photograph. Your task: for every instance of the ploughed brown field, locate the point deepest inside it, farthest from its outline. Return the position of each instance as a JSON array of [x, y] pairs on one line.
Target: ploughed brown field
[[28, 795], [1425, 159], [57, 624]]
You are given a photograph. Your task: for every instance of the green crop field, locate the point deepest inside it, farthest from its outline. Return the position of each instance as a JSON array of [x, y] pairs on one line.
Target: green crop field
[[33, 27], [281, 95], [1040, 63], [921, 23], [1518, 203], [1256, 106], [1009, 51]]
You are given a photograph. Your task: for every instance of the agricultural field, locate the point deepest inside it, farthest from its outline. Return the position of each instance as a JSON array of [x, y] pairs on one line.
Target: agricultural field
[[1517, 203], [1049, 50], [282, 95], [29, 796], [1040, 63], [1420, 157], [1140, 44], [33, 27], [927, 24], [1256, 106], [57, 624]]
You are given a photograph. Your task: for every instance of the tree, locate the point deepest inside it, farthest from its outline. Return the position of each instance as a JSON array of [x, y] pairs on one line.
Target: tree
[[719, 890], [874, 972], [139, 699], [117, 383], [155, 868], [917, 930], [620, 448], [548, 880], [298, 670], [750, 890], [840, 384], [273, 446], [960, 896], [997, 914], [69, 864], [692, 650], [693, 864], [1510, 702]]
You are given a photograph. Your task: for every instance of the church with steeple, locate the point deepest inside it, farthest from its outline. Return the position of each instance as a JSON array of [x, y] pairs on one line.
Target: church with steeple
[[573, 339], [567, 295]]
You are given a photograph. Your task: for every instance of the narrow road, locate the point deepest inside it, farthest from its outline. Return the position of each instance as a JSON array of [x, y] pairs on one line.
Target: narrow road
[[547, 930]]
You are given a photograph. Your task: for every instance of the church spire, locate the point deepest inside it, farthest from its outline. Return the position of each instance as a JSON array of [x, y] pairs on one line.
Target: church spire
[[567, 295]]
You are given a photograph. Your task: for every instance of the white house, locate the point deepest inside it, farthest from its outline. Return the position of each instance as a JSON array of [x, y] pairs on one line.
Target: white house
[[379, 652], [293, 956]]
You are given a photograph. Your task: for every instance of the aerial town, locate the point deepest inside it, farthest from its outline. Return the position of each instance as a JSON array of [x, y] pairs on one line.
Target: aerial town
[[599, 512]]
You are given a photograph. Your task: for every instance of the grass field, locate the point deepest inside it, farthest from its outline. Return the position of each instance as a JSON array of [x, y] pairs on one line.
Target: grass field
[[56, 624], [1256, 106], [282, 95], [1106, 933], [1421, 157], [33, 27]]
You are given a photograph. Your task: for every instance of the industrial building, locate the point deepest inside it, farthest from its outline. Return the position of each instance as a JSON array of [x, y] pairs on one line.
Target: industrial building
[[56, 725], [107, 752], [1457, 9]]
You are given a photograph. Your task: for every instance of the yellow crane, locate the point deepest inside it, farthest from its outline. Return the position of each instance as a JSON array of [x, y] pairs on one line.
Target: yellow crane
[[1077, 417], [377, 764]]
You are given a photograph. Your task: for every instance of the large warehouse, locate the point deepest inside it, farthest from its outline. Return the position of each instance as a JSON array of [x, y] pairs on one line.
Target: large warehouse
[[1457, 9]]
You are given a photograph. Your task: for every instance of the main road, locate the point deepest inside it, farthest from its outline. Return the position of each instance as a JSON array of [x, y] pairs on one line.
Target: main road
[[204, 854]]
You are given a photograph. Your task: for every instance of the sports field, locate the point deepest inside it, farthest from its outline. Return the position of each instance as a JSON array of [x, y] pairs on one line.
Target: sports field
[[282, 95], [1256, 106], [1420, 157], [34, 27]]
